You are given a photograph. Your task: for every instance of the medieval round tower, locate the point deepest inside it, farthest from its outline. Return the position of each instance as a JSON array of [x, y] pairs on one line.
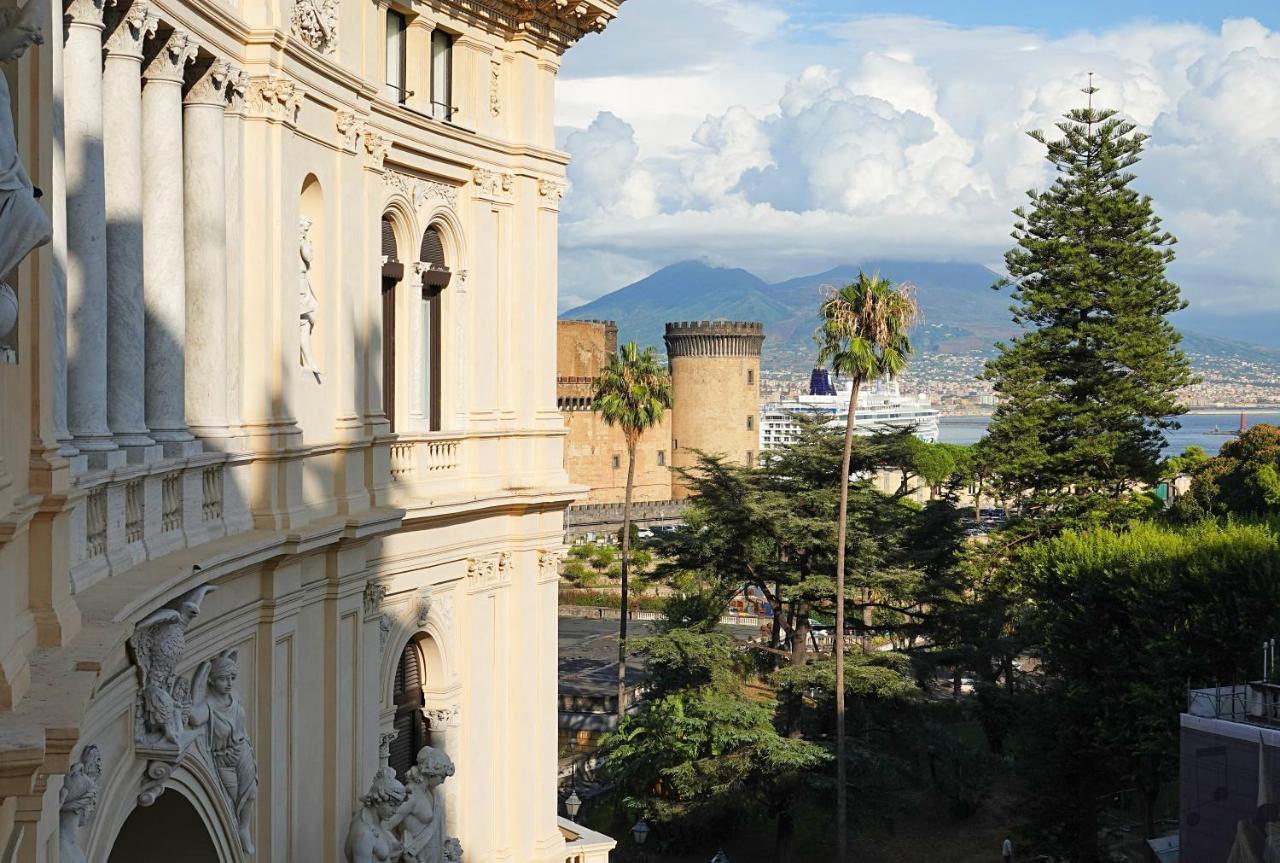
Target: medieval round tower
[[715, 376]]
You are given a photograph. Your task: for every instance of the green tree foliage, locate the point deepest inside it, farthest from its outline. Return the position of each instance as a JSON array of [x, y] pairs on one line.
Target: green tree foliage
[[1087, 391], [1123, 619], [634, 393], [699, 757], [863, 336], [1243, 479]]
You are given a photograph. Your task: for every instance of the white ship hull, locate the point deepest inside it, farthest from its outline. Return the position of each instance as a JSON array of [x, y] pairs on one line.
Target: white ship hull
[[881, 408]]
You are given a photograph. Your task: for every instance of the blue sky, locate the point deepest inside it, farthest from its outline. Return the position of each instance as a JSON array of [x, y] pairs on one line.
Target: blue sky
[[788, 136]]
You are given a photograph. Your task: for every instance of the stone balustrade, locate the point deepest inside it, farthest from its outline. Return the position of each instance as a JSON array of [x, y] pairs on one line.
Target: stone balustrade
[[583, 845], [139, 512], [418, 458]]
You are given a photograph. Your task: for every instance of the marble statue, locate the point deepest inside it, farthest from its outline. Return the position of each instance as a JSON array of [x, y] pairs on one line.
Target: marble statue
[[157, 645], [76, 802], [369, 840], [420, 818], [308, 305], [23, 224], [224, 736]]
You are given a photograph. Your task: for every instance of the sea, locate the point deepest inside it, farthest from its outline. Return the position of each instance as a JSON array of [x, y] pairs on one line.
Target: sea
[[1206, 429]]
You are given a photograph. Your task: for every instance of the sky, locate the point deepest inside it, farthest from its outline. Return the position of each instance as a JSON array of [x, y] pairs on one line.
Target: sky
[[788, 136]]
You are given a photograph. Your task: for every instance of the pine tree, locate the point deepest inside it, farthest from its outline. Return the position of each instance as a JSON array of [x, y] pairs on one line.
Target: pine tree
[[1090, 387]]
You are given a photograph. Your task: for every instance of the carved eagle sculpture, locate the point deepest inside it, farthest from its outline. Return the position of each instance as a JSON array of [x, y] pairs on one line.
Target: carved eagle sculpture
[[157, 645]]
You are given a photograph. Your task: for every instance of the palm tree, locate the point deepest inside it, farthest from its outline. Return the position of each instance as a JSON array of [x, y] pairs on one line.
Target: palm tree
[[634, 392], [864, 337]]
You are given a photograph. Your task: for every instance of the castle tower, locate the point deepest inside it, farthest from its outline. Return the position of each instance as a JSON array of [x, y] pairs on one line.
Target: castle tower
[[715, 375]]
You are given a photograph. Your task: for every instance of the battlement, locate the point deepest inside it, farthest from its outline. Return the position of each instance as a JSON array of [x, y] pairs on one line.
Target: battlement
[[714, 338]]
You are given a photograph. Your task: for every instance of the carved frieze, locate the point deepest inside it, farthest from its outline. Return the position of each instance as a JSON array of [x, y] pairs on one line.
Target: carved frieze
[[422, 192], [384, 630], [76, 802], [549, 565], [275, 98], [483, 571], [315, 22], [422, 606], [495, 87], [87, 12], [237, 90], [494, 184], [550, 192], [374, 593], [443, 717], [129, 28], [170, 62]]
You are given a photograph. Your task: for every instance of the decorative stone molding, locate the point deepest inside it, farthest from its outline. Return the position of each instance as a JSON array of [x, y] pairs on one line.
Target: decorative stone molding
[[275, 98], [76, 802], [315, 22], [170, 62], [505, 565], [374, 593], [376, 147], [384, 631], [385, 739], [237, 90], [85, 12], [549, 565], [422, 606], [494, 184], [443, 717], [422, 192], [483, 570], [350, 126], [209, 85], [444, 612], [130, 28], [156, 647], [219, 720], [495, 87]]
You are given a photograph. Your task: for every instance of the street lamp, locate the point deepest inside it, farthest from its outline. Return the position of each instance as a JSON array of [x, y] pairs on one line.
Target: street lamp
[[572, 804], [640, 832]]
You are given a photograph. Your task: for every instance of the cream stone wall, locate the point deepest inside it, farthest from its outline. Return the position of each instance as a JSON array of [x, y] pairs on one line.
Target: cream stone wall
[[591, 447], [331, 541]]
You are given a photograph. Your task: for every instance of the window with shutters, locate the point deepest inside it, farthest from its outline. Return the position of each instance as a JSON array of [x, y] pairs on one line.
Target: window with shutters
[[435, 278], [409, 723], [392, 272]]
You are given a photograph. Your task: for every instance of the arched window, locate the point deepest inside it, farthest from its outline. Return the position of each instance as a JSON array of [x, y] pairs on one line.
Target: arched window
[[392, 273], [435, 278], [409, 701]]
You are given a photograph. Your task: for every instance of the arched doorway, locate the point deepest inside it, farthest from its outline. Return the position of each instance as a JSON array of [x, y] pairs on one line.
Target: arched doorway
[[409, 700], [168, 830]]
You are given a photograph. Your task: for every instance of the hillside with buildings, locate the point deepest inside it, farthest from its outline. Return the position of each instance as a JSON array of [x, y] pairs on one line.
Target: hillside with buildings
[[962, 319]]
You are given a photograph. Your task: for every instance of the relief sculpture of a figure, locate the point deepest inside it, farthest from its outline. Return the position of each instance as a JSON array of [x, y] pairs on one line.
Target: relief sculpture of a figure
[[369, 840], [308, 305], [421, 817], [220, 719], [23, 224], [76, 802], [157, 645]]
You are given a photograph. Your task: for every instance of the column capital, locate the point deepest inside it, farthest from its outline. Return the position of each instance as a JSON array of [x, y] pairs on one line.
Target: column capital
[[209, 84], [87, 13], [129, 28], [237, 88], [170, 62], [275, 98]]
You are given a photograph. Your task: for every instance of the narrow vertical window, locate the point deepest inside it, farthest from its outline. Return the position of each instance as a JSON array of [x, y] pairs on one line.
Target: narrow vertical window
[[751, 423], [396, 64], [435, 278], [392, 272], [662, 458], [751, 377], [751, 459], [441, 75]]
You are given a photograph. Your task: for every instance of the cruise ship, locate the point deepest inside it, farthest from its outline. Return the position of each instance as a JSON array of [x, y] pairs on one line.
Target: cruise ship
[[881, 408]]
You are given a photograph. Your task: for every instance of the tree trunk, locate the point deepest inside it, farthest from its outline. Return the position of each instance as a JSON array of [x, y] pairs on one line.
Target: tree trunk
[[626, 574], [786, 829], [800, 634], [842, 787]]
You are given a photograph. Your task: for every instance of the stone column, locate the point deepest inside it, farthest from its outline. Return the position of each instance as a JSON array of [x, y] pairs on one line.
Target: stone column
[[122, 148], [86, 236], [233, 148], [164, 260], [205, 238]]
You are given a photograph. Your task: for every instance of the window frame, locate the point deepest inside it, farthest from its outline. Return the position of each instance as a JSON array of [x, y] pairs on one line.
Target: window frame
[[401, 85], [440, 110]]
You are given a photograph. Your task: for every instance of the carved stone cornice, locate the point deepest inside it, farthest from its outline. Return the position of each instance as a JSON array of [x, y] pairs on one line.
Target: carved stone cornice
[[170, 62], [209, 84], [558, 23], [85, 13], [376, 147], [494, 184], [275, 98], [129, 28], [550, 192], [237, 89], [315, 24], [350, 126]]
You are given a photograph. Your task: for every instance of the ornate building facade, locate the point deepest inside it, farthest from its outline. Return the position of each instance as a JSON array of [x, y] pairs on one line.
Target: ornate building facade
[[281, 475]]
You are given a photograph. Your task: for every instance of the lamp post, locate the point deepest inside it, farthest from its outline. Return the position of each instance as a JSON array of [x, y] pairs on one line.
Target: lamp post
[[572, 804], [640, 832]]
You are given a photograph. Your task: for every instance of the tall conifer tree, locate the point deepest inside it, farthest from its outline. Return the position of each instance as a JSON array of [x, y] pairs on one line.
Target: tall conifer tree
[[1090, 387]]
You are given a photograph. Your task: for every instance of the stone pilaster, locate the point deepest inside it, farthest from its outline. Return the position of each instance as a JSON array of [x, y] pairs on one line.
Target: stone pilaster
[[128, 28], [232, 154], [205, 234], [86, 236], [164, 258]]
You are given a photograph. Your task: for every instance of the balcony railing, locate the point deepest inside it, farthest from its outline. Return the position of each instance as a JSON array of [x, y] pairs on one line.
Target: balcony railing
[[425, 457]]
